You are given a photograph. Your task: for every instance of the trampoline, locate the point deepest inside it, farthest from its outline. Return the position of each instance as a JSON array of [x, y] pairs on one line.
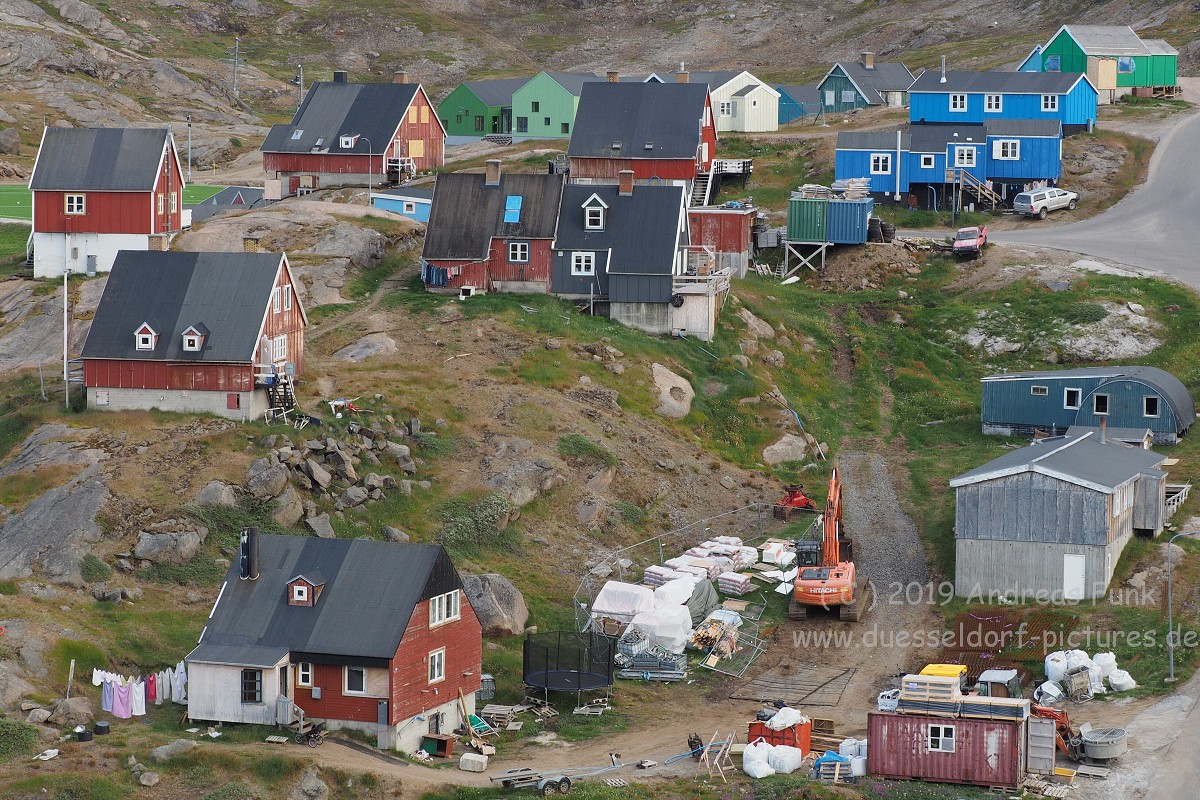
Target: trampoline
[[565, 661]]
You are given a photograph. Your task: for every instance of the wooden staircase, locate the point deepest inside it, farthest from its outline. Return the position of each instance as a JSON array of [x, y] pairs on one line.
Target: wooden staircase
[[701, 187], [982, 193]]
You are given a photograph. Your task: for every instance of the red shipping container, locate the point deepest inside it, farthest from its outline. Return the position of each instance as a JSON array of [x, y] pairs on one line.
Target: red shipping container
[[799, 736], [981, 752]]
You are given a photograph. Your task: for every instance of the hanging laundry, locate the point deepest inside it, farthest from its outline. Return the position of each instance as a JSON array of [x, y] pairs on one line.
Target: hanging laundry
[[151, 688], [138, 698], [106, 695], [179, 684], [122, 700]]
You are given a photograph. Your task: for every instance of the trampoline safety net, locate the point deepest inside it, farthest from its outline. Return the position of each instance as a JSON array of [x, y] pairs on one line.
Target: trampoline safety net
[[565, 661]]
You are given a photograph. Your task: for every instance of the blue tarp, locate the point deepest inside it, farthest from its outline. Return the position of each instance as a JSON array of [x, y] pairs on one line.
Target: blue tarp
[[830, 757]]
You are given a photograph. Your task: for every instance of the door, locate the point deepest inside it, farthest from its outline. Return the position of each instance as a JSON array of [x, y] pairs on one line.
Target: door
[[285, 688], [382, 737], [1073, 576]]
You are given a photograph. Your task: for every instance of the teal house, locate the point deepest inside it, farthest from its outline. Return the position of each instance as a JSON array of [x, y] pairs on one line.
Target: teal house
[[544, 108], [480, 108], [851, 85], [1116, 60]]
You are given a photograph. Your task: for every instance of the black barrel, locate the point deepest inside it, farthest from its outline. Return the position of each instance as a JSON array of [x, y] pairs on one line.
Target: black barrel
[[101, 728], [84, 735]]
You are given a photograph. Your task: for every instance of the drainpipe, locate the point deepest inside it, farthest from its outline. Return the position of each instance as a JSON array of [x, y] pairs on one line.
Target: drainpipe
[[899, 133]]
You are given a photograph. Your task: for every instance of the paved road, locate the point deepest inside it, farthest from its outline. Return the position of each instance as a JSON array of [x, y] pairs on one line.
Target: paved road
[[1154, 227]]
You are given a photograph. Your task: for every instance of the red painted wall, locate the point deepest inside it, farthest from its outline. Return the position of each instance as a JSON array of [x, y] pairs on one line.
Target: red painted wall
[[168, 182], [421, 123], [726, 231], [106, 212], [320, 162], [498, 268], [643, 168], [333, 703], [115, 374], [289, 322], [411, 690], [708, 135]]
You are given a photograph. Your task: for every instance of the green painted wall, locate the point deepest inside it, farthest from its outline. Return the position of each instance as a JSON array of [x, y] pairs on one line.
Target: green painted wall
[[541, 107], [460, 110], [837, 82], [1156, 70], [1071, 57]]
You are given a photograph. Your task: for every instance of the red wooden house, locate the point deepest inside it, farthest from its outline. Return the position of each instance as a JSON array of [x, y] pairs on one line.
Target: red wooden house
[[664, 132], [221, 333], [376, 636], [491, 232], [355, 134], [100, 190]]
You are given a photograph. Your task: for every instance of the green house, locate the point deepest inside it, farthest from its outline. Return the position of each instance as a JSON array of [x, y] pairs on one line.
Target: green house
[[1115, 59], [544, 108], [479, 108]]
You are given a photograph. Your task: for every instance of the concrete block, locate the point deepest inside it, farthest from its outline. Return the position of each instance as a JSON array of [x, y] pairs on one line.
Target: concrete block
[[472, 762]]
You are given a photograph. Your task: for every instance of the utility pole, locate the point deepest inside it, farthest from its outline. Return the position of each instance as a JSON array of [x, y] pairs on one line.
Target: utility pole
[[300, 101], [189, 119], [66, 330], [236, 59]]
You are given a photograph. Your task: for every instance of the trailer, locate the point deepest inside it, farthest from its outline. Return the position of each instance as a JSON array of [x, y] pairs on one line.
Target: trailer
[[549, 781]]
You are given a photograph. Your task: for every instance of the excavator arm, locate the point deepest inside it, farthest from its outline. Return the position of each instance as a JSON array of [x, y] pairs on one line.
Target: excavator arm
[[832, 523]]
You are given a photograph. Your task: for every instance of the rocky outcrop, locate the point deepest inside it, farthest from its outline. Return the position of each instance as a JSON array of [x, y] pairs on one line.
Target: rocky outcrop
[[320, 526], [71, 712], [310, 788], [13, 684], [791, 447], [363, 246], [289, 508], [176, 748], [497, 603], [269, 482], [216, 494], [177, 547], [525, 479], [756, 327], [675, 393]]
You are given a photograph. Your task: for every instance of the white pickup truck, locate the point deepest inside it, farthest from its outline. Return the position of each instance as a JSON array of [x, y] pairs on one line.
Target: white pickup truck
[[1041, 202]]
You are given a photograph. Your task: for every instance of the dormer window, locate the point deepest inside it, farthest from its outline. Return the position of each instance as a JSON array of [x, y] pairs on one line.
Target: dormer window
[[305, 590], [145, 337], [299, 593], [347, 142], [193, 338], [191, 343], [593, 213]]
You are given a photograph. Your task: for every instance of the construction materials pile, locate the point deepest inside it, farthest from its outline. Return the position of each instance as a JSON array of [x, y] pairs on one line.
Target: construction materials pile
[[941, 696], [813, 191], [1073, 674], [654, 664], [853, 188]]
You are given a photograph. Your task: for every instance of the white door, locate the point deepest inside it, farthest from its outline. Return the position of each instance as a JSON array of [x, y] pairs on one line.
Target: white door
[[829, 99], [1073, 576]]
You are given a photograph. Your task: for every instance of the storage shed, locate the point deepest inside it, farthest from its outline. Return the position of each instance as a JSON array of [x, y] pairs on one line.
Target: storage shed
[[1049, 521], [1114, 57]]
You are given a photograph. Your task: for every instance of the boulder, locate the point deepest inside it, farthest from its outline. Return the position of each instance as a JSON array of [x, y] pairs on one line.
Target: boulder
[[217, 494], [354, 496], [320, 476], [788, 448], [310, 788], [71, 712], [527, 478], [176, 748], [675, 393], [38, 716], [342, 465], [363, 246], [394, 534], [268, 483], [149, 779], [107, 594], [289, 508], [772, 358], [175, 547], [13, 685], [10, 142], [728, 482], [266, 462], [756, 327], [498, 604], [321, 527], [373, 480], [590, 510]]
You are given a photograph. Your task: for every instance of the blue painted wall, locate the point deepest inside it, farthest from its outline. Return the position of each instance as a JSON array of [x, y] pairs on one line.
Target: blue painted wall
[[1074, 108], [857, 164], [420, 214], [1013, 403], [1040, 159]]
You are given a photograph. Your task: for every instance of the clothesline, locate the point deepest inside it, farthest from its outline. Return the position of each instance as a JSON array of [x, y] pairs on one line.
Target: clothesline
[[126, 696]]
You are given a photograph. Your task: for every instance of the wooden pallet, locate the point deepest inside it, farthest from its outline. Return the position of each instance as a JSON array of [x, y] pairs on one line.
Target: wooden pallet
[[277, 739], [1093, 771]]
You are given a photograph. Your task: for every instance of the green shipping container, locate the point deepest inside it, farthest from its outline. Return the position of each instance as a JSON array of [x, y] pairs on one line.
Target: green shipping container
[[806, 220]]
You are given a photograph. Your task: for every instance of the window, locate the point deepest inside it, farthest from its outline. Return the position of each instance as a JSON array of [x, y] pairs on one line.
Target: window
[[443, 608], [275, 300], [412, 114], [546, 121], [1149, 406], [1071, 398], [458, 119], [565, 127], [754, 104], [478, 123], [300, 593], [410, 208], [1049, 102], [964, 156], [162, 203], [145, 341], [174, 202], [848, 96], [1126, 64], [437, 665], [279, 348], [296, 134], [927, 162], [522, 124], [424, 114], [1038, 391], [941, 738], [75, 203], [725, 108], [593, 218], [347, 142], [1007, 150], [535, 106], [881, 163], [192, 344], [583, 263], [830, 98], [518, 252], [958, 102], [287, 298], [304, 674], [356, 680], [1100, 404], [993, 102], [252, 686]]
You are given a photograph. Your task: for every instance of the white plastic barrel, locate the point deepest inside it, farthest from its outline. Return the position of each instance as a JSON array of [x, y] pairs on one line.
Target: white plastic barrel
[[848, 748]]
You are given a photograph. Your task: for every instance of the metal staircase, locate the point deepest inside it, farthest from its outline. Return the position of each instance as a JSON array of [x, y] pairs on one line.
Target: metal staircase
[[700, 188]]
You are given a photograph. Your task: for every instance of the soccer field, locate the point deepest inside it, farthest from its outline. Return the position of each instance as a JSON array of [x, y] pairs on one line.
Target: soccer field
[[198, 193], [16, 202]]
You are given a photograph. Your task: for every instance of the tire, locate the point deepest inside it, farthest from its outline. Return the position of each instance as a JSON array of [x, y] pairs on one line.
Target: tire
[[1042, 213], [1071, 206], [313, 741], [547, 788], [564, 786], [299, 737]]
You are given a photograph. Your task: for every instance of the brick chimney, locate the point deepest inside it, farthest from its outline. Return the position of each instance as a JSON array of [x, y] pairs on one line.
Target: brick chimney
[[868, 60], [399, 76], [340, 76], [491, 173], [612, 76], [625, 182], [250, 243], [682, 76]]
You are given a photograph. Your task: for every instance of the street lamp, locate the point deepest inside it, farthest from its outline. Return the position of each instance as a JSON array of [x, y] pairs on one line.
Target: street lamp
[[1170, 618]]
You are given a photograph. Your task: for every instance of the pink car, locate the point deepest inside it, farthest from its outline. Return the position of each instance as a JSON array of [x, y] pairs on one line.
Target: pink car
[[970, 241]]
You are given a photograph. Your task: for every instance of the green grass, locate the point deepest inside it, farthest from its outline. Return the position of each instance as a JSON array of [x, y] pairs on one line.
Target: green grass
[[69, 786], [367, 282], [93, 570], [779, 168], [196, 193], [9, 588], [86, 655], [16, 202], [578, 446], [16, 739]]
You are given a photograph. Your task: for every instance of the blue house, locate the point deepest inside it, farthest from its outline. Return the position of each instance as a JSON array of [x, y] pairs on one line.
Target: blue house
[[1024, 403], [796, 102], [412, 203], [977, 97]]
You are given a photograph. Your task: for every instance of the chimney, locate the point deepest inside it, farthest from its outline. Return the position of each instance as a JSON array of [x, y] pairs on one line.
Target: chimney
[[612, 76], [250, 243], [682, 76], [491, 173], [943, 80], [248, 554], [625, 182], [868, 60], [1104, 430], [399, 76], [340, 76]]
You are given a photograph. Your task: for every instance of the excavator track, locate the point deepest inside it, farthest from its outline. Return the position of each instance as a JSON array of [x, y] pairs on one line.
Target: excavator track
[[852, 612]]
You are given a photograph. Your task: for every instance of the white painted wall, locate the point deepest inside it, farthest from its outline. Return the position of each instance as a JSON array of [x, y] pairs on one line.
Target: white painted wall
[[51, 251], [756, 112], [215, 694], [254, 404]]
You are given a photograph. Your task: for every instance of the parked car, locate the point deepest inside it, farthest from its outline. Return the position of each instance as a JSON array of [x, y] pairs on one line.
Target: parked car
[[1041, 202], [970, 241]]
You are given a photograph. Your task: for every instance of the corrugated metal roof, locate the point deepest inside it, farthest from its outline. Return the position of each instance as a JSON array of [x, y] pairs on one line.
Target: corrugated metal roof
[[996, 82], [1167, 384], [466, 213], [873, 140], [1107, 40], [1126, 435], [641, 229], [497, 92], [714, 80], [227, 292], [884, 77], [1024, 127], [99, 159], [1159, 47], [634, 114], [1077, 459], [806, 93], [363, 610], [935, 138], [370, 111]]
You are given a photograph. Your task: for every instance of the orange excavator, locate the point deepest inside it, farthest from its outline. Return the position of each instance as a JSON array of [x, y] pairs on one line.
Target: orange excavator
[[827, 577]]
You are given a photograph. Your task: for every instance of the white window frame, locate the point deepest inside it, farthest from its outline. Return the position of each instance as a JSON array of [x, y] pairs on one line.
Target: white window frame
[[961, 158], [939, 736], [881, 163], [75, 204], [174, 202], [593, 218], [927, 161], [725, 108], [1039, 391], [518, 252], [410, 208], [1067, 398], [299, 593], [1096, 404], [830, 98], [276, 302], [191, 343], [346, 680], [1007, 150], [279, 348], [993, 103], [304, 674], [849, 96], [1049, 102], [958, 102], [583, 263], [287, 298], [437, 665], [145, 341], [445, 608], [162, 203], [1157, 406]]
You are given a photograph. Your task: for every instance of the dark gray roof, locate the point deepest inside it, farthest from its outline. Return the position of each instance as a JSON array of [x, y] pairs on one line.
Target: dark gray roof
[[371, 111], [666, 115], [573, 81], [714, 79], [996, 82], [406, 193], [466, 213], [227, 292], [363, 611], [640, 228], [1167, 384], [99, 159], [872, 140], [497, 92], [1024, 127], [1126, 435], [884, 77], [1078, 459], [806, 93], [935, 138]]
